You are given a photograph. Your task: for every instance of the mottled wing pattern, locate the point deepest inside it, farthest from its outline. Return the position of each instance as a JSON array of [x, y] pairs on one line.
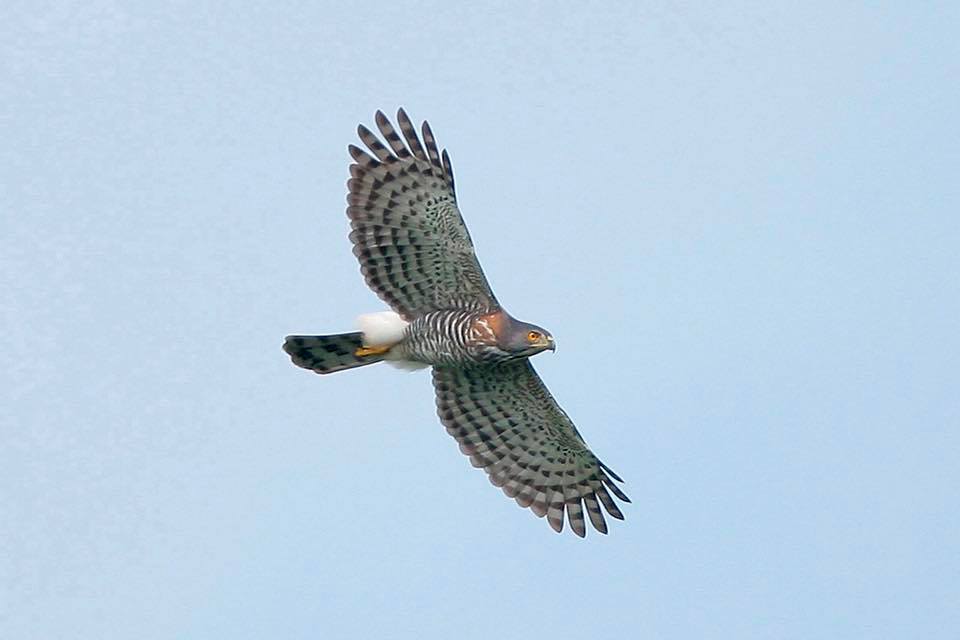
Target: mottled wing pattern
[[505, 419], [414, 249]]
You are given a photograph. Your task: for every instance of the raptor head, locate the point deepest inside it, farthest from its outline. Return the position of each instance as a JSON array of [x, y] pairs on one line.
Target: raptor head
[[513, 338], [525, 339]]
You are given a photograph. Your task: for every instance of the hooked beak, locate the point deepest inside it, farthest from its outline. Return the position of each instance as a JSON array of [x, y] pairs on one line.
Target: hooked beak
[[550, 343]]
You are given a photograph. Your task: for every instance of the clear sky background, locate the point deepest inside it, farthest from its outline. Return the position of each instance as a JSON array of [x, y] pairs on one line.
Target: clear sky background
[[740, 221]]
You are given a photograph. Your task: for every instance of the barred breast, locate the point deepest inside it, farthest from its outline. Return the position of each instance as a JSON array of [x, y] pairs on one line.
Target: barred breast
[[448, 337]]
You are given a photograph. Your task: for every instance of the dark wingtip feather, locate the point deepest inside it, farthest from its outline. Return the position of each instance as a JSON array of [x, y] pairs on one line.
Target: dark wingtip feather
[[615, 489], [448, 169], [608, 503], [610, 471]]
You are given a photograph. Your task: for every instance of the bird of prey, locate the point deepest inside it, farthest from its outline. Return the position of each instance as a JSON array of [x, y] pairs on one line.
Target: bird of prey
[[416, 254]]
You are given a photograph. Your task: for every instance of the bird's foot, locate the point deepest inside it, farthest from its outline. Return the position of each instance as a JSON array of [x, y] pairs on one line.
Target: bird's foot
[[370, 351]]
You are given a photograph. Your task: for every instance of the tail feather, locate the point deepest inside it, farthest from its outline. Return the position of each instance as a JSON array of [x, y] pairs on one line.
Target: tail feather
[[328, 354]]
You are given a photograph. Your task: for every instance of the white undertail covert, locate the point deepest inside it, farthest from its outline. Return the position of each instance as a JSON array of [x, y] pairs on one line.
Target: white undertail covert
[[381, 329]]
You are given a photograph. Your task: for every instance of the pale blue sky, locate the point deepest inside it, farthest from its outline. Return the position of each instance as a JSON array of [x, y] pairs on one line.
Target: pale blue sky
[[740, 222]]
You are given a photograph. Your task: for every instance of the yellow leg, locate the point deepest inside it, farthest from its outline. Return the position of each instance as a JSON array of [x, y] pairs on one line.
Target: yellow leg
[[370, 351]]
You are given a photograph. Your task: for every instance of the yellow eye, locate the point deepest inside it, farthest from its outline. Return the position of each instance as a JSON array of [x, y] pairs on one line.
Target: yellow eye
[[533, 336]]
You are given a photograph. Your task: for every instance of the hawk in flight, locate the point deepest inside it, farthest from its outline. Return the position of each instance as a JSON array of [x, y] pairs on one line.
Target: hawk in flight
[[416, 254]]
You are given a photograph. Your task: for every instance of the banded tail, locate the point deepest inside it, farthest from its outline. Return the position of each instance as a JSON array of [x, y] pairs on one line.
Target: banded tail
[[329, 354]]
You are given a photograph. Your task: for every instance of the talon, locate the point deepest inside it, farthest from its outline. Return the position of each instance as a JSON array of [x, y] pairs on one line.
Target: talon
[[370, 351]]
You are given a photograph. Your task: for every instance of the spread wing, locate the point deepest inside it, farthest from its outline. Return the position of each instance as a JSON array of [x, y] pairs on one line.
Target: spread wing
[[414, 249], [508, 423]]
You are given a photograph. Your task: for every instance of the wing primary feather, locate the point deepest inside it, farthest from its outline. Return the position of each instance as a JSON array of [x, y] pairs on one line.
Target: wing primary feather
[[430, 143], [448, 168], [410, 133], [574, 510], [615, 489], [373, 143], [594, 512], [391, 136], [610, 471], [608, 503], [362, 158]]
